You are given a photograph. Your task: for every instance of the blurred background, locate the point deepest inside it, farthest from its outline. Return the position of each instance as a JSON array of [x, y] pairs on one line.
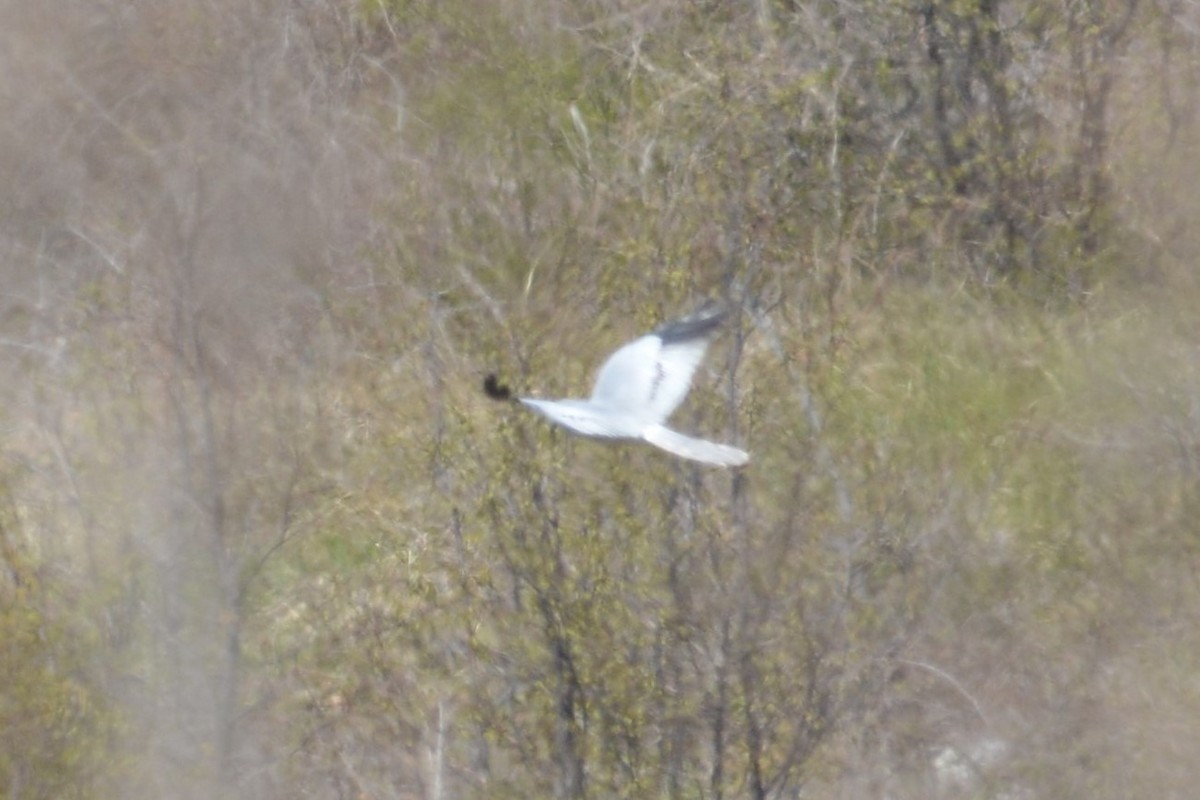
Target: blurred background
[[261, 535]]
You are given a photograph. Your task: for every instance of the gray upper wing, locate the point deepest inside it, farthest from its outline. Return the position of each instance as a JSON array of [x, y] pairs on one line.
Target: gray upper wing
[[684, 343], [650, 376]]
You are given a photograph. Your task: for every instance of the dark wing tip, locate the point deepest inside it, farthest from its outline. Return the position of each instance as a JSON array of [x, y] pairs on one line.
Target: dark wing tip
[[494, 389], [699, 323]]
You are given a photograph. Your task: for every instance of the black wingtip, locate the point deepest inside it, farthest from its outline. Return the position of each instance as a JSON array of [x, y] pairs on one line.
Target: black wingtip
[[494, 389], [701, 322]]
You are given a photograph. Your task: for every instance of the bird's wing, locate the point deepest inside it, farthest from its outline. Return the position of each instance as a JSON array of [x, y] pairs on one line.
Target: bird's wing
[[577, 416], [651, 375], [626, 381], [721, 455], [684, 343]]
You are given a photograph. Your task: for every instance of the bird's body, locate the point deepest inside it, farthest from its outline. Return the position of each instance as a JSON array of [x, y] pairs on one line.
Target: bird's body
[[638, 388]]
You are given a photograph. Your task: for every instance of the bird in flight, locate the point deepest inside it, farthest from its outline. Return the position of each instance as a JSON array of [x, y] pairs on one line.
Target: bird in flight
[[638, 388]]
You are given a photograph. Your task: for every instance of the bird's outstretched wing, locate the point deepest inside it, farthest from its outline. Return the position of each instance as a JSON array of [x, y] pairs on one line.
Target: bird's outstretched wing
[[721, 455], [684, 343], [651, 375]]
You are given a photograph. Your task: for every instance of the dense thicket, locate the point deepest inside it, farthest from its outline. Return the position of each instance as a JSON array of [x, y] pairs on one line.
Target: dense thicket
[[261, 535]]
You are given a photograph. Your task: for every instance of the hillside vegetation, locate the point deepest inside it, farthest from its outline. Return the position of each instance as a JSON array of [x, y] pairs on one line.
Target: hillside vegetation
[[262, 535]]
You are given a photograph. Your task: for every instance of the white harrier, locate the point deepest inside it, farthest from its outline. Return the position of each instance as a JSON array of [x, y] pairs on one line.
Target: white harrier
[[638, 388]]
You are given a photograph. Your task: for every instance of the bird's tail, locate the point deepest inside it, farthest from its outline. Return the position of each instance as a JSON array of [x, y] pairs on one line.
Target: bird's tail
[[721, 455]]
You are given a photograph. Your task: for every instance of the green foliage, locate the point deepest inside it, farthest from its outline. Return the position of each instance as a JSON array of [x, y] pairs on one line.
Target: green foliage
[[56, 726]]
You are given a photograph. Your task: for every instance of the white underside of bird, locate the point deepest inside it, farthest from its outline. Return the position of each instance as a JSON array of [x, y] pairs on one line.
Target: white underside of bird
[[639, 387]]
